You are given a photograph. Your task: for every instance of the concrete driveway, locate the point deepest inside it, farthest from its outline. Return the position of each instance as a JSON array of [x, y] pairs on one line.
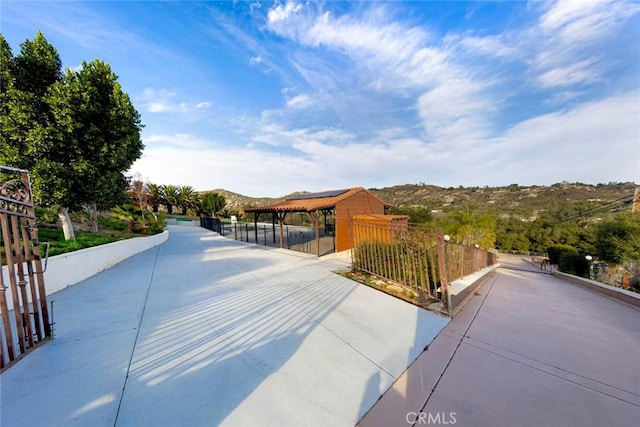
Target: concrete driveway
[[206, 331]]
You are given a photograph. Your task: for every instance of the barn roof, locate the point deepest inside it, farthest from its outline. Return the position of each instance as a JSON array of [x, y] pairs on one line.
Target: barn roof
[[309, 202]]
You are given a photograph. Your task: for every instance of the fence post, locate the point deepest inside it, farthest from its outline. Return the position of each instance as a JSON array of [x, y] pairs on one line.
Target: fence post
[[442, 266]]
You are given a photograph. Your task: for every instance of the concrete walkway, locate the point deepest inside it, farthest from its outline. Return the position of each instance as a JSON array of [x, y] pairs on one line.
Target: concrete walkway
[[205, 331], [527, 350]]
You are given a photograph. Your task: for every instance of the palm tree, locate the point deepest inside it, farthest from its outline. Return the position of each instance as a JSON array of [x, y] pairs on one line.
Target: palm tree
[[189, 199], [156, 196], [127, 213], [171, 197]]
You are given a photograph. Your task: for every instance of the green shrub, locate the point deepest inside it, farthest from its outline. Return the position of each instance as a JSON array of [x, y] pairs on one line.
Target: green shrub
[[555, 252], [618, 240], [574, 263], [569, 260], [155, 224], [111, 223], [46, 215]]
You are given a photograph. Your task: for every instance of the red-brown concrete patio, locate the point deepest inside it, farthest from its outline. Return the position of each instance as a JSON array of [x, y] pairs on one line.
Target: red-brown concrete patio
[[527, 350]]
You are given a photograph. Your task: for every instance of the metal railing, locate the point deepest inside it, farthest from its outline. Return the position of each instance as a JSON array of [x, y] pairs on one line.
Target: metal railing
[[464, 260], [408, 256], [414, 256]]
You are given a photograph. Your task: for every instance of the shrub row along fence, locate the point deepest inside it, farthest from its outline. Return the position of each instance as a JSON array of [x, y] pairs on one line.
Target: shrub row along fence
[[413, 256]]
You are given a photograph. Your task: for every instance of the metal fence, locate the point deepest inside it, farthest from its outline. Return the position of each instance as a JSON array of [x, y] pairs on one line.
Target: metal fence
[[464, 260], [213, 224], [413, 256], [297, 238]]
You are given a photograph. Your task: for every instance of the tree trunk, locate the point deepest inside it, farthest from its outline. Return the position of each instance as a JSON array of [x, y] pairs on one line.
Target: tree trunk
[[94, 217], [67, 227]]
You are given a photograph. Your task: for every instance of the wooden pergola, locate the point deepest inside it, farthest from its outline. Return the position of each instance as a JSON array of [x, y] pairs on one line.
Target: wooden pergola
[[353, 201]]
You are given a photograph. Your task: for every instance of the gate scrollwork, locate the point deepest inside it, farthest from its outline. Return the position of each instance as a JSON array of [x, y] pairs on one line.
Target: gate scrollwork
[[23, 305]]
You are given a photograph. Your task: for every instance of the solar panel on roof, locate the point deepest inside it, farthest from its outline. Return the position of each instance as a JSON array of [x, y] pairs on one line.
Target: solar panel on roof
[[320, 195]]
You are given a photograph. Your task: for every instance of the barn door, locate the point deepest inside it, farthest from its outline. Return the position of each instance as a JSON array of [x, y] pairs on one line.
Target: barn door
[[23, 305]]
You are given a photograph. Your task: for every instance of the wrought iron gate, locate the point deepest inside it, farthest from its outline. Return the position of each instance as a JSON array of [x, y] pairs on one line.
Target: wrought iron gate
[[23, 304]]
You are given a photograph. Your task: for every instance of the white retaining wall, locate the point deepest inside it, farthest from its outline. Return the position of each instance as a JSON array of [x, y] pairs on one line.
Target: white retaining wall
[[73, 267], [623, 295]]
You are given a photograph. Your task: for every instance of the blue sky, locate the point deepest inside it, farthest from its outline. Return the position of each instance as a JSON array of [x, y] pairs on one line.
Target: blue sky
[[267, 98]]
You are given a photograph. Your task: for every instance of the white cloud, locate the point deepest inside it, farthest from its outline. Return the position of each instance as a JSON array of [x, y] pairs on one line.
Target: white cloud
[[278, 135], [455, 109], [76, 68], [177, 140], [579, 20], [158, 107], [493, 46], [565, 11], [395, 58], [583, 72], [254, 60], [568, 42], [593, 142], [281, 13], [164, 101], [300, 102], [247, 171]]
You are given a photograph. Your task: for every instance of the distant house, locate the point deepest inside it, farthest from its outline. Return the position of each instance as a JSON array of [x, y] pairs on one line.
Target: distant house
[[328, 210]]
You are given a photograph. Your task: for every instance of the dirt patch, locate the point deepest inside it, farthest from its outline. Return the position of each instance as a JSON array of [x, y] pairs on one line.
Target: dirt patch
[[390, 287]]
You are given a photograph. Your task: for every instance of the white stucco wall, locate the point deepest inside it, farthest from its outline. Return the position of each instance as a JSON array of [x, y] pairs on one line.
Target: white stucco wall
[[73, 267]]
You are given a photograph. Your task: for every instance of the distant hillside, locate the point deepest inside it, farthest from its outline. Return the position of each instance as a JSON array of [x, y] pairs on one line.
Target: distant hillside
[[514, 200], [237, 201]]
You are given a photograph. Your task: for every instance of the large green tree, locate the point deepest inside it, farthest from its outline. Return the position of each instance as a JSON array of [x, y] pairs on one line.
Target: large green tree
[[212, 203], [469, 227], [77, 132], [25, 80], [618, 240]]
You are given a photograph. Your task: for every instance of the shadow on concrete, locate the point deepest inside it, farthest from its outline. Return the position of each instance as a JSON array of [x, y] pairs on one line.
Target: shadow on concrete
[[207, 331]]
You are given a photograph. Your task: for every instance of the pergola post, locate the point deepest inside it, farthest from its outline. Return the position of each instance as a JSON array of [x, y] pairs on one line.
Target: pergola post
[[256, 215], [281, 216], [273, 226]]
